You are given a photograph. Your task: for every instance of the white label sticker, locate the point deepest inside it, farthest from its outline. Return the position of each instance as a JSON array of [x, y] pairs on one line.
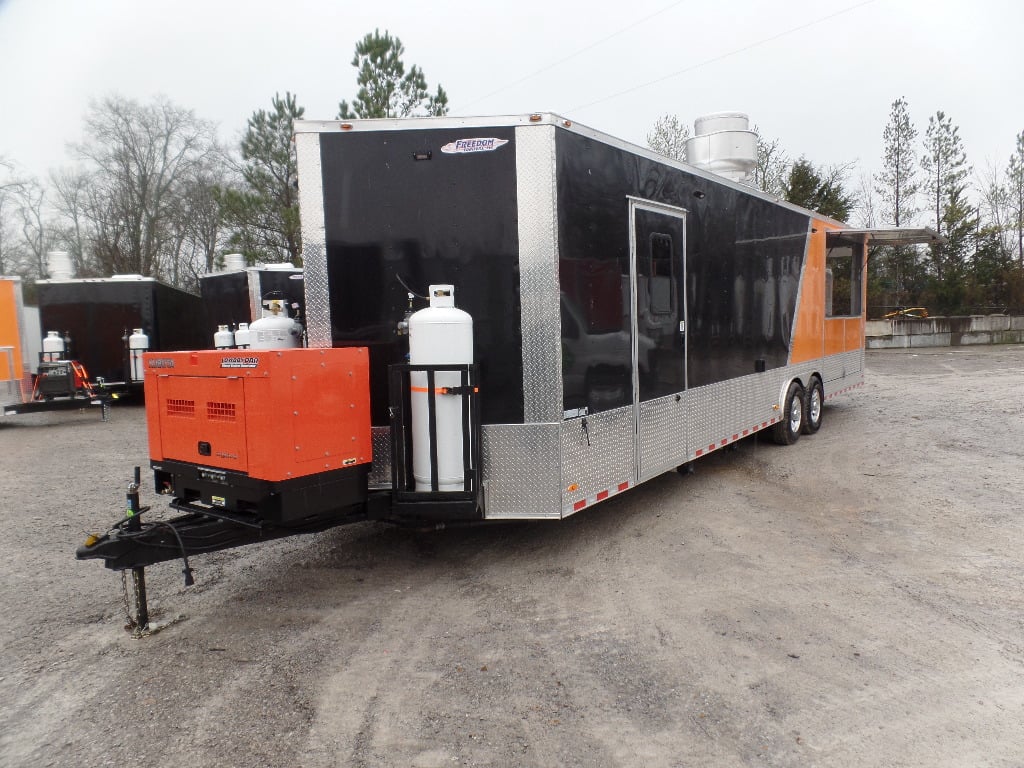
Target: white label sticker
[[463, 146]]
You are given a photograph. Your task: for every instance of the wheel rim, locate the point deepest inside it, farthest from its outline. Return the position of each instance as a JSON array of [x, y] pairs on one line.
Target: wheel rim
[[795, 415], [815, 409]]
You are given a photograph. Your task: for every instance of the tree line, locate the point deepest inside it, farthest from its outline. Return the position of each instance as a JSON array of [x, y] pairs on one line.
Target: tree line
[[925, 180], [152, 191]]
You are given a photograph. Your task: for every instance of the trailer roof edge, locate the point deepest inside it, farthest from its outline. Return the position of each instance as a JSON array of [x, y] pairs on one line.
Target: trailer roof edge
[[541, 118]]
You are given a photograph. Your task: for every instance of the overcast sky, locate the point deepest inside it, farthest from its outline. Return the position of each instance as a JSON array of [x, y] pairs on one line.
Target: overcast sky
[[820, 76]]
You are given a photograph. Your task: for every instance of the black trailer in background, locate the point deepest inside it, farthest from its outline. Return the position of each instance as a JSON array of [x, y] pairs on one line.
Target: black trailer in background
[[235, 296], [99, 313]]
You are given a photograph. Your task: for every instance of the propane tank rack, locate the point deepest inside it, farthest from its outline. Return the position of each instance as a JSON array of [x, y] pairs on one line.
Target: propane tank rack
[[408, 499]]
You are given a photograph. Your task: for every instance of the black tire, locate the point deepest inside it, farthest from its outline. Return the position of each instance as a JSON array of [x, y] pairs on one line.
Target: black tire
[[814, 404], [787, 430]]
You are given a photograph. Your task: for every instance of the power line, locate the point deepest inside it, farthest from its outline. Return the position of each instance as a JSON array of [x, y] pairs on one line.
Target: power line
[[570, 56], [719, 58]]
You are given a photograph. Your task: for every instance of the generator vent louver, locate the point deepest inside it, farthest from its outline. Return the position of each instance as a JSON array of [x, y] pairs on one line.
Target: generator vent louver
[[181, 408], [220, 411]]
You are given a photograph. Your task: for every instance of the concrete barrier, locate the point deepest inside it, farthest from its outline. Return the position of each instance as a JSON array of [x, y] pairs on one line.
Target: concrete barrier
[[910, 332]]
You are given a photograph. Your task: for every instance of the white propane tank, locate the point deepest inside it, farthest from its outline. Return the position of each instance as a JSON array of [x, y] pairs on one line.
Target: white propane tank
[[242, 336], [138, 343], [275, 330], [439, 334], [224, 338], [53, 346]]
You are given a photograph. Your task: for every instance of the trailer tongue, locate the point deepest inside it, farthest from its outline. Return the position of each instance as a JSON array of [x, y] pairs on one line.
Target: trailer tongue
[[259, 444]]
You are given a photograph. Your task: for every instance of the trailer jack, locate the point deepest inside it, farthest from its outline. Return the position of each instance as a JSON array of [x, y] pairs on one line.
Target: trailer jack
[[131, 525]]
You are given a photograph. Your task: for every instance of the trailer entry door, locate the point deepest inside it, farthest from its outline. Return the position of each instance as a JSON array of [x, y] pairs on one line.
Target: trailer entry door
[[657, 235]]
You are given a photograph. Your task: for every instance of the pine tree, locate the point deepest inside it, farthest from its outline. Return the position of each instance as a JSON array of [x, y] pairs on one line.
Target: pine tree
[[264, 211], [897, 186], [819, 189], [1015, 180], [385, 89], [946, 168]]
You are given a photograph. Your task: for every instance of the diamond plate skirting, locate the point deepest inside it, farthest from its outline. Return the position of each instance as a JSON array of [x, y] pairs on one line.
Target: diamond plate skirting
[[603, 462], [836, 367], [663, 435], [538, 274], [521, 470], [314, 239]]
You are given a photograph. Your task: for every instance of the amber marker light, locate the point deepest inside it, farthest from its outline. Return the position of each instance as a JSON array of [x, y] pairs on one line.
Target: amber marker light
[[574, 487], [346, 126], [535, 118]]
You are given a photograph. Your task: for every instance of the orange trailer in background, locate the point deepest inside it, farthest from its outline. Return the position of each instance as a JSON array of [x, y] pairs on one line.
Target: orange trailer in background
[[13, 365]]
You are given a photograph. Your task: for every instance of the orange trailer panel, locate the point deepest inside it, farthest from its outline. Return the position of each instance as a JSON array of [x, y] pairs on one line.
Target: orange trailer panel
[[10, 330]]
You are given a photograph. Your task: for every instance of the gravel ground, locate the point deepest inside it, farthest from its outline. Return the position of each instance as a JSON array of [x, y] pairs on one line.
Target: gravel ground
[[855, 599]]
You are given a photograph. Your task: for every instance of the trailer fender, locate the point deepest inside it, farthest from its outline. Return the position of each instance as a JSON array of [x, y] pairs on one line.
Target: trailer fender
[[780, 402]]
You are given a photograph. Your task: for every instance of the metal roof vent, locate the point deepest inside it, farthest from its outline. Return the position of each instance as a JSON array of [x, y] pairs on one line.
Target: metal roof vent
[[724, 144], [233, 261], [59, 265]]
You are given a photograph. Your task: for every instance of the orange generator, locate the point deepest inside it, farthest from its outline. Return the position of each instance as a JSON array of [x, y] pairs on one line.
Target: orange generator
[[282, 434]]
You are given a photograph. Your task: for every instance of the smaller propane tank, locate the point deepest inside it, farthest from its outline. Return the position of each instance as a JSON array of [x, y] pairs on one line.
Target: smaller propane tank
[[138, 343], [53, 346], [275, 330], [242, 336], [224, 338]]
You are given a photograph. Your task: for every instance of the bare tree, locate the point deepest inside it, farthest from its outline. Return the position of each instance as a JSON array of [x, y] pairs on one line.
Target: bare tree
[[996, 209], [138, 159], [668, 136], [37, 233], [11, 248], [199, 226], [865, 201], [72, 198], [773, 165]]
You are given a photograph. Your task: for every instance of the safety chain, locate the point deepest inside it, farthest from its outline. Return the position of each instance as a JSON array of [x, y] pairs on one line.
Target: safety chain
[[131, 625]]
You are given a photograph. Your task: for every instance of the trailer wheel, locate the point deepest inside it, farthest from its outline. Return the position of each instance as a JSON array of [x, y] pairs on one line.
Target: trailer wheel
[[815, 401], [787, 430]]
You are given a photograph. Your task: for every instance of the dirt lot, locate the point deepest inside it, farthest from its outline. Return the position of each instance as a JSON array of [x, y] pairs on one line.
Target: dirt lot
[[854, 600]]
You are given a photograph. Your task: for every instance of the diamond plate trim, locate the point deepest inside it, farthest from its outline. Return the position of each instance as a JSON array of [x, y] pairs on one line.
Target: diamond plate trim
[[380, 472], [604, 462], [538, 274], [663, 438], [314, 239], [521, 471], [837, 367], [720, 411]]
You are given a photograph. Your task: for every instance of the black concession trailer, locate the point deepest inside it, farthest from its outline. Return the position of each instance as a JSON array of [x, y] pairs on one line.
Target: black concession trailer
[[236, 296], [98, 314], [629, 314]]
